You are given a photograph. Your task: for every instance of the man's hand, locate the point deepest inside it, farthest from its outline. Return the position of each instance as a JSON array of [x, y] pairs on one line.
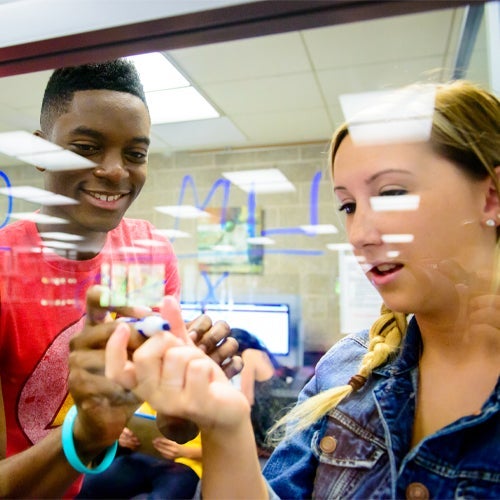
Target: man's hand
[[104, 407], [214, 340]]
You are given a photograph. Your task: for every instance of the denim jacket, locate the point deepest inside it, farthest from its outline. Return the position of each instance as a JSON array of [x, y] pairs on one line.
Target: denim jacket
[[362, 448]]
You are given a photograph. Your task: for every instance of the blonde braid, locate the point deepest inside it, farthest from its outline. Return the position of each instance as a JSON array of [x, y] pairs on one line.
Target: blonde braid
[[385, 336]]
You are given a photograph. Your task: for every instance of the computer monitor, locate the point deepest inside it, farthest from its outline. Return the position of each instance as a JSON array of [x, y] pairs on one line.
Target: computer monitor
[[269, 322]]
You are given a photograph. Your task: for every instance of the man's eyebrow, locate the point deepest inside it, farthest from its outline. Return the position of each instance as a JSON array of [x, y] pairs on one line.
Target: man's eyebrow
[[95, 134], [87, 131], [144, 139]]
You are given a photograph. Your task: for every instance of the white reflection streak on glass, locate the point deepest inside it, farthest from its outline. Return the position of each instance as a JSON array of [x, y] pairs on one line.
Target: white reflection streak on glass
[[319, 229], [392, 254], [171, 233], [182, 211], [38, 217], [339, 247], [260, 240], [405, 202], [54, 235], [150, 243], [64, 245], [388, 116], [37, 195], [397, 238]]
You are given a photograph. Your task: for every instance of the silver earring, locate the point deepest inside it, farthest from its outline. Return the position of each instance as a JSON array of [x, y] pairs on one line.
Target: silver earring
[[490, 223]]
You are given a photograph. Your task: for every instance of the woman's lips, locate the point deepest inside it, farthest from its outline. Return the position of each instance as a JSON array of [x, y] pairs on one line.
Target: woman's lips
[[382, 274]]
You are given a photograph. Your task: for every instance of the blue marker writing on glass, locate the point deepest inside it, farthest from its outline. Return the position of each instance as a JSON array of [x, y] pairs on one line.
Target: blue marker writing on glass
[[148, 325]]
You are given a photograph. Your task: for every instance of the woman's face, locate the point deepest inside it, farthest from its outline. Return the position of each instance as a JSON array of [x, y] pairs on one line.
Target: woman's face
[[412, 255]]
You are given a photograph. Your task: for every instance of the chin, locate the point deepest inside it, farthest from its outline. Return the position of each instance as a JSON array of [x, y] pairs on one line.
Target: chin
[[398, 303]]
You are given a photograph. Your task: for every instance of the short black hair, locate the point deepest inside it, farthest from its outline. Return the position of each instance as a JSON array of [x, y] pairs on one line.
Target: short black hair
[[119, 74]]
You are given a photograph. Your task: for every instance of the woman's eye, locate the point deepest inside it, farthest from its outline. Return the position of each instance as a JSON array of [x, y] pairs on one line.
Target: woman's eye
[[348, 207], [394, 192]]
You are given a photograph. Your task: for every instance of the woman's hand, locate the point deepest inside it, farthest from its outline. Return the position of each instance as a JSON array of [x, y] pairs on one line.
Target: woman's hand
[[176, 378]]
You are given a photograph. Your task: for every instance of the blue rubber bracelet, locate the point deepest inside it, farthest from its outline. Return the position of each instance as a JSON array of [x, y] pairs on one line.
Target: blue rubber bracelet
[[68, 446]]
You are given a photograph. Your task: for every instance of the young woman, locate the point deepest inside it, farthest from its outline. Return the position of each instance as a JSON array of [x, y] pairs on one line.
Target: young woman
[[412, 407]]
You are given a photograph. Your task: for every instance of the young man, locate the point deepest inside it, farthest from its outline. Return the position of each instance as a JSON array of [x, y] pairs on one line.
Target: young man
[[98, 111]]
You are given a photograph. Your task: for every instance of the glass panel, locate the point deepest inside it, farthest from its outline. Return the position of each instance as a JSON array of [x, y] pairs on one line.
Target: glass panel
[[279, 102]]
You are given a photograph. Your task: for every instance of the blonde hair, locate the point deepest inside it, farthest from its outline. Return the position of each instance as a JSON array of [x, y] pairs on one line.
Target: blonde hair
[[465, 130], [385, 338]]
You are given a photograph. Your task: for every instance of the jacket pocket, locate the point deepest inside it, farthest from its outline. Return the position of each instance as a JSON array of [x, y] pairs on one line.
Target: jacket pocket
[[351, 459]]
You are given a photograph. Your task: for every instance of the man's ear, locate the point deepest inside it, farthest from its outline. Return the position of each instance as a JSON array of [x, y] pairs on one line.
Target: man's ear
[[40, 134]]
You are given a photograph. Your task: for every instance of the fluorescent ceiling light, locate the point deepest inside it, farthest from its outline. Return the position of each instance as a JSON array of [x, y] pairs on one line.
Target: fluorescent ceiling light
[[178, 105], [41, 153], [266, 180], [169, 95], [37, 195], [171, 233], [20, 142], [38, 218], [319, 229], [395, 203], [397, 238], [390, 115], [58, 160], [157, 72], [182, 211]]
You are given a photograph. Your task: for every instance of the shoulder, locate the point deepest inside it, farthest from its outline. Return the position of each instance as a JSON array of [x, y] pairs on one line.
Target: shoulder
[[18, 231], [251, 357], [355, 344], [342, 359]]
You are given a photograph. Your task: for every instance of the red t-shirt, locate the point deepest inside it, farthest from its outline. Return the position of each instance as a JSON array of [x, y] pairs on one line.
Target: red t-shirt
[[42, 305]]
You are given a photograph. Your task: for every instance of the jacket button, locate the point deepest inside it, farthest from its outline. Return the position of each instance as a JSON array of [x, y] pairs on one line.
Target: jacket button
[[417, 491], [328, 444]]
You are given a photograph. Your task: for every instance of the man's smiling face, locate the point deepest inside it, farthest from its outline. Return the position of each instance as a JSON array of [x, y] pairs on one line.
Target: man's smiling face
[[111, 129]]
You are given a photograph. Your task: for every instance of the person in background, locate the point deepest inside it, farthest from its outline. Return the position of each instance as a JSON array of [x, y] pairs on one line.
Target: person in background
[[261, 376], [99, 112], [173, 472], [410, 408]]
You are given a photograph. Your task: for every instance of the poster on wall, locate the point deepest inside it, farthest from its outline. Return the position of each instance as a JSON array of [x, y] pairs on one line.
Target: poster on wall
[[359, 300], [224, 241]]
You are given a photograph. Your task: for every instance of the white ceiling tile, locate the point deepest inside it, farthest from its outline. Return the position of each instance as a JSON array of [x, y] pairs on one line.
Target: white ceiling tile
[[213, 132], [30, 86], [243, 59], [266, 88], [297, 91], [380, 76], [391, 39], [287, 126]]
